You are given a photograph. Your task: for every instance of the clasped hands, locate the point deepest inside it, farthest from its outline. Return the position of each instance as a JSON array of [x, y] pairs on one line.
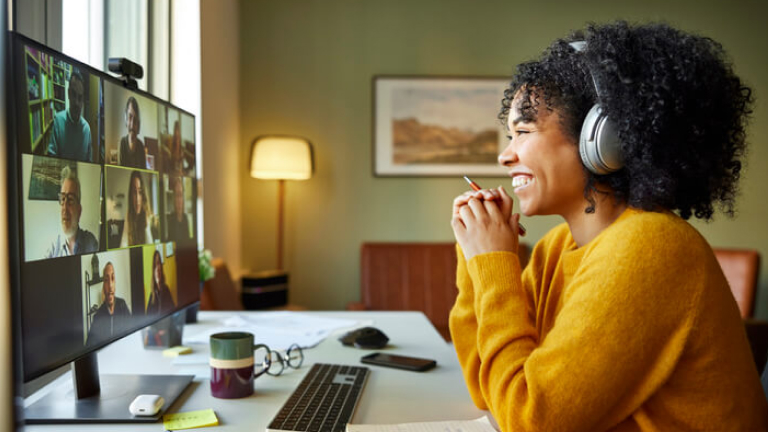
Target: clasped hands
[[483, 222]]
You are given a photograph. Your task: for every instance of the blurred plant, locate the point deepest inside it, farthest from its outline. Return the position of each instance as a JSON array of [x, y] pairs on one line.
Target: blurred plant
[[204, 261]]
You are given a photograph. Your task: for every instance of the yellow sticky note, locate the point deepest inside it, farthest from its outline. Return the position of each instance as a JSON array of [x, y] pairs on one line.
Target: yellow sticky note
[[190, 420], [177, 350]]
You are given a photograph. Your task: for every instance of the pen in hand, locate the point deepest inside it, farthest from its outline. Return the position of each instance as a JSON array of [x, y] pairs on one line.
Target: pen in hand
[[476, 187]]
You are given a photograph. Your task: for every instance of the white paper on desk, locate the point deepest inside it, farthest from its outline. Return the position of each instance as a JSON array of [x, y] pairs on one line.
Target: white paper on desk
[[290, 322], [478, 425], [278, 330], [272, 338]]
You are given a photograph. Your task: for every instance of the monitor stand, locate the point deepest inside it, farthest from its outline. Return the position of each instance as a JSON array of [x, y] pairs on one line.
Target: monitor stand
[[103, 399]]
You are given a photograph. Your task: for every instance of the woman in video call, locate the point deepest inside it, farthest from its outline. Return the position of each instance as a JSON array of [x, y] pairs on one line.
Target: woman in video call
[[137, 228], [132, 151], [622, 319], [160, 299], [177, 164], [177, 223]]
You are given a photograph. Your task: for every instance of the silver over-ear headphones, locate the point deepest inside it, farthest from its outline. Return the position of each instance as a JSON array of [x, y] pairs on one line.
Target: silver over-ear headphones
[[599, 144]]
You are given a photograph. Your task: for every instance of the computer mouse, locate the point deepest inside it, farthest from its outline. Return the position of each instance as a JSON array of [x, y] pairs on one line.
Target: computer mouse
[[366, 337]]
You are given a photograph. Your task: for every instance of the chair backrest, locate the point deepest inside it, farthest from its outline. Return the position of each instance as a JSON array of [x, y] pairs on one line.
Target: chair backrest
[[220, 293], [413, 276], [741, 268]]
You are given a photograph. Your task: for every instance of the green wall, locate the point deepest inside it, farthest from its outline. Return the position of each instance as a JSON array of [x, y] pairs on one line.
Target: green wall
[[306, 68]]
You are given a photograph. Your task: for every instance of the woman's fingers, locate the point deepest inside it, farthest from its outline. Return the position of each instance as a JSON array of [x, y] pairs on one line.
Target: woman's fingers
[[481, 195], [505, 202], [462, 200], [495, 211], [459, 229], [466, 215], [479, 211]]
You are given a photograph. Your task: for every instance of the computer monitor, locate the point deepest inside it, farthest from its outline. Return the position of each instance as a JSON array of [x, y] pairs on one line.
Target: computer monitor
[[103, 225]]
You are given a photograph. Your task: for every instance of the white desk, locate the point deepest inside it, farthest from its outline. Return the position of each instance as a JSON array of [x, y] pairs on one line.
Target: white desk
[[390, 395]]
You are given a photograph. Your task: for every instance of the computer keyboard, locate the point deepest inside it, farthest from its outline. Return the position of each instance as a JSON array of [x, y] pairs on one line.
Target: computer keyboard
[[324, 401]]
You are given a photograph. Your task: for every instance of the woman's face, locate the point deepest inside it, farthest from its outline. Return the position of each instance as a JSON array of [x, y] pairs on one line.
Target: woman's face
[[544, 164], [132, 121], [136, 194], [158, 266]]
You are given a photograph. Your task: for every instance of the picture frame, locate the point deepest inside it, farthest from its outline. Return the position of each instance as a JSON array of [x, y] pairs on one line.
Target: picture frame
[[437, 126]]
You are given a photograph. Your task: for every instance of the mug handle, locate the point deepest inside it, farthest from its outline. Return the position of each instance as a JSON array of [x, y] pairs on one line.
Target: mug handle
[[265, 364]]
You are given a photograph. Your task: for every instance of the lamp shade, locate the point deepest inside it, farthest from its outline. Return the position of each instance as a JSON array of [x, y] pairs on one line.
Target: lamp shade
[[282, 157]]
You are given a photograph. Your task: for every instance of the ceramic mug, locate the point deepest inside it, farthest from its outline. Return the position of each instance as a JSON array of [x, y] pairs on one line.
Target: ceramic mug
[[232, 364]]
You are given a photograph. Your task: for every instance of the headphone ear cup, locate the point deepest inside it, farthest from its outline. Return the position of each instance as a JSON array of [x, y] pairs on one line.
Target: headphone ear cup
[[599, 145]]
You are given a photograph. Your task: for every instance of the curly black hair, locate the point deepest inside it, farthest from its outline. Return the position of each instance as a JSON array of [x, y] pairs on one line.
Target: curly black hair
[[679, 108]]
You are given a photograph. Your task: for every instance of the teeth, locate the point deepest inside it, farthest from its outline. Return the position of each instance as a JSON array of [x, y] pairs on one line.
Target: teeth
[[520, 181]]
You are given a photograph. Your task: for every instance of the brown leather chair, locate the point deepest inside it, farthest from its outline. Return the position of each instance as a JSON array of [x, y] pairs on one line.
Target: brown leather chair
[[412, 276], [220, 293], [741, 268]]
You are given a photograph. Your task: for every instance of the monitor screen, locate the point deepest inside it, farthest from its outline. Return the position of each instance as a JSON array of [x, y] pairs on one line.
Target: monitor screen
[[105, 212]]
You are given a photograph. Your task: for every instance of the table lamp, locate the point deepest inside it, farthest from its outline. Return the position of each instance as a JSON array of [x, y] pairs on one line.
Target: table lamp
[[281, 158]]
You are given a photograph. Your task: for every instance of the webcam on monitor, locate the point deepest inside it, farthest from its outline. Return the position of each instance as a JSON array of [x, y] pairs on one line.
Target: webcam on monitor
[[128, 70]]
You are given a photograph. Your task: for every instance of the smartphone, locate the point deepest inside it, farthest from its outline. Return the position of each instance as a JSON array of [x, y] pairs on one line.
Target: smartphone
[[400, 362]]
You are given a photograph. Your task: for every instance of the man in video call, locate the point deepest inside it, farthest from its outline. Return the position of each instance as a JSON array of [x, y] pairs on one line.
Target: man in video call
[[71, 137], [132, 151], [113, 316], [72, 240]]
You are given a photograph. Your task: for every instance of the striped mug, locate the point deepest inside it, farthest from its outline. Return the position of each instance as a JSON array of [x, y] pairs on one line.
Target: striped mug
[[232, 364]]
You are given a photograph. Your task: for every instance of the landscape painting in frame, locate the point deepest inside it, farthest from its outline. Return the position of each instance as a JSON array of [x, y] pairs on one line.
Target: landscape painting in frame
[[438, 126]]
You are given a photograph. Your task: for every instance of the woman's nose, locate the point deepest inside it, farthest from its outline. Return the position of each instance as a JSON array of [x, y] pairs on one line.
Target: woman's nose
[[508, 156]]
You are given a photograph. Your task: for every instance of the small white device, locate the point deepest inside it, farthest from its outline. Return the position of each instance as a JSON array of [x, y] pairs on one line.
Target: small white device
[[146, 405]]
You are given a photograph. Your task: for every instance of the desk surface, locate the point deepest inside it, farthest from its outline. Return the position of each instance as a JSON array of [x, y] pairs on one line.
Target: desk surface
[[390, 395]]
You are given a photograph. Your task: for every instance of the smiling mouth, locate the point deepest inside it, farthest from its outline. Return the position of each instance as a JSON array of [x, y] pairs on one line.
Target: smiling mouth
[[519, 182]]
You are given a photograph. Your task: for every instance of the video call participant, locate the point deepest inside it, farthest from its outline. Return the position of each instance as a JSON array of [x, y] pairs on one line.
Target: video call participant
[[72, 240], [137, 228], [71, 137], [178, 224], [132, 151], [160, 299], [177, 151], [622, 319], [113, 316]]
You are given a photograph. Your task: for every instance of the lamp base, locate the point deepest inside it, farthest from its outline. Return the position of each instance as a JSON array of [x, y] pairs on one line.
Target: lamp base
[[266, 289]]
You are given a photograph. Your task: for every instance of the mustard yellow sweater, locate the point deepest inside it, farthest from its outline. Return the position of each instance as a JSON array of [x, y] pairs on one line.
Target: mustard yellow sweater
[[637, 330]]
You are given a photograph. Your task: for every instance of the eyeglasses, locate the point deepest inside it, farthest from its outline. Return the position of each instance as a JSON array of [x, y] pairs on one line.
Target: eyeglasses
[[278, 360], [67, 198]]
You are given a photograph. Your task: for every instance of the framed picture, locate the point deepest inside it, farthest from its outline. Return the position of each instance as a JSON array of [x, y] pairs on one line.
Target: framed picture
[[437, 126]]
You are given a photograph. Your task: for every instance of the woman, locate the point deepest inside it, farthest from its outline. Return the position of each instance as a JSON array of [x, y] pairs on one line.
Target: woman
[[177, 153], [160, 299], [137, 226], [177, 222], [623, 319], [133, 153]]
